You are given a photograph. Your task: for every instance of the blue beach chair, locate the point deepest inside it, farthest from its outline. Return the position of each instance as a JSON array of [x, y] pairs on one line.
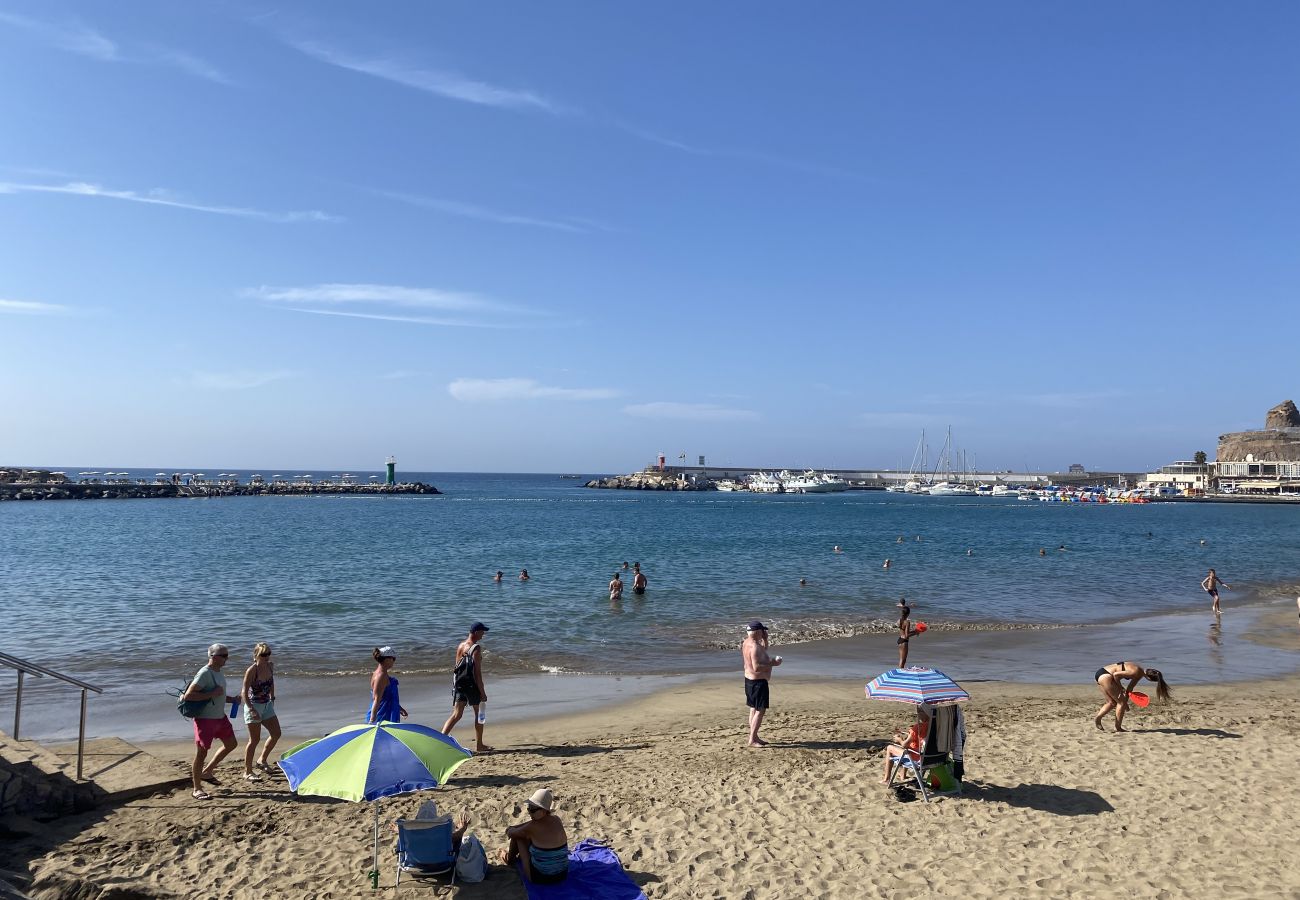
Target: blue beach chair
[[424, 848]]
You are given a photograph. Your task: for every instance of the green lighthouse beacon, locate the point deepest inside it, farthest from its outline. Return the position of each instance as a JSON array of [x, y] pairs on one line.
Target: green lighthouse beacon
[[391, 476]]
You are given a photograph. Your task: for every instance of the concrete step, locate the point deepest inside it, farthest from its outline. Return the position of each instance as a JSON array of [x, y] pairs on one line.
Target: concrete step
[[121, 771]]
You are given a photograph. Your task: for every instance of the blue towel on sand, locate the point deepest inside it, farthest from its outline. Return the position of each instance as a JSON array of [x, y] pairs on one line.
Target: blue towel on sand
[[595, 873]]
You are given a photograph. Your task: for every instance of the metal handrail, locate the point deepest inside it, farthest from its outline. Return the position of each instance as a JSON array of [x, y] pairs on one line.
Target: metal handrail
[[27, 667]]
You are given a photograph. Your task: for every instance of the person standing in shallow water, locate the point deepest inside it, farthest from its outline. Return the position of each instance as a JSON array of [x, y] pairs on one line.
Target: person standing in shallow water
[[1211, 586], [639, 580], [615, 588]]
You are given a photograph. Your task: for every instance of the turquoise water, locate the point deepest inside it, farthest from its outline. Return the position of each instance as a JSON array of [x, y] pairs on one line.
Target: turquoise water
[[105, 588]]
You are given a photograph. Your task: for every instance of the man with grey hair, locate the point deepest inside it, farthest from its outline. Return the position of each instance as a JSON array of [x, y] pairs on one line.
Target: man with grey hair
[[211, 722], [758, 669]]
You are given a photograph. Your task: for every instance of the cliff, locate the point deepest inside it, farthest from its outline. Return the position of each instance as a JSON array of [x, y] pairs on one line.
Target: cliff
[[1278, 440]]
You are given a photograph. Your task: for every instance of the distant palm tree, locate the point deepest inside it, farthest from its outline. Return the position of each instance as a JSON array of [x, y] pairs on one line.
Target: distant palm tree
[[1199, 458]]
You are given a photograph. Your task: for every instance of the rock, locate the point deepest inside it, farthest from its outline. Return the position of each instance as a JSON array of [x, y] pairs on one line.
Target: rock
[[1284, 415], [1279, 440]]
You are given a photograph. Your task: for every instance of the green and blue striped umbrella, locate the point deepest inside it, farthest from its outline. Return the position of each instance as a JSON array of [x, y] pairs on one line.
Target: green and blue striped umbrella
[[367, 762], [915, 684]]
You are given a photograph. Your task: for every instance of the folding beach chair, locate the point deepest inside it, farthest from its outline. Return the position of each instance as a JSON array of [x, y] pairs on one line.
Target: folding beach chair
[[934, 759], [424, 848]]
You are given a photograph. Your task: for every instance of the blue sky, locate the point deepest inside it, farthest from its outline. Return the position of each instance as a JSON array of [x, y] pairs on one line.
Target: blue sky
[[567, 236]]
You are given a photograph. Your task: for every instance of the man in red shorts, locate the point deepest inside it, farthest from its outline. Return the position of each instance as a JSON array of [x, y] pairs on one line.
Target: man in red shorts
[[211, 722]]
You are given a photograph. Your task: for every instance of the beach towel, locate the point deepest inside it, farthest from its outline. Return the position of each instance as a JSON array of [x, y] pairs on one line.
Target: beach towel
[[595, 873]]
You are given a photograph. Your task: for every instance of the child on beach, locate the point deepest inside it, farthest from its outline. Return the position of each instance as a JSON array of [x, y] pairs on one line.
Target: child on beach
[[1211, 586], [906, 631]]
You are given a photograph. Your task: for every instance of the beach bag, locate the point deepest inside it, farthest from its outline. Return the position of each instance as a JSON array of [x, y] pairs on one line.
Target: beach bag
[[190, 709], [471, 861]]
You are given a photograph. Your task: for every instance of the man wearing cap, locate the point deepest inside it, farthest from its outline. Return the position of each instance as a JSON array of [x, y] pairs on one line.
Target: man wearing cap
[[758, 669], [211, 722], [467, 684]]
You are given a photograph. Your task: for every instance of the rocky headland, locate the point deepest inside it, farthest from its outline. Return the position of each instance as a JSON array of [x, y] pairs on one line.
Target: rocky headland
[[1279, 439], [72, 490]]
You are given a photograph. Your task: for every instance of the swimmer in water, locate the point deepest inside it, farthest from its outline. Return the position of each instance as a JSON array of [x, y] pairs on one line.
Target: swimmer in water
[[498, 576], [886, 565], [523, 575], [970, 552], [918, 539], [803, 582], [1042, 551], [837, 549], [900, 540]]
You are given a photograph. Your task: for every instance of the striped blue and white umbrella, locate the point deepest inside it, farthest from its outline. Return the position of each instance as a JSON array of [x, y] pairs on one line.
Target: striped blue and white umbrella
[[915, 684]]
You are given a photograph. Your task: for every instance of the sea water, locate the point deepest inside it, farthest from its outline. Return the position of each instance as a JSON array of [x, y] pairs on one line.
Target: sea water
[[107, 587]]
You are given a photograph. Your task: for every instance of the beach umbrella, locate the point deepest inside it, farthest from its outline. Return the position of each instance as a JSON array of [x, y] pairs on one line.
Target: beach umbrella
[[365, 763], [915, 684]]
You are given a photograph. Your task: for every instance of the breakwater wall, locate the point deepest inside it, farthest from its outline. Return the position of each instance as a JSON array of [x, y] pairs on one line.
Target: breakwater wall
[[71, 490]]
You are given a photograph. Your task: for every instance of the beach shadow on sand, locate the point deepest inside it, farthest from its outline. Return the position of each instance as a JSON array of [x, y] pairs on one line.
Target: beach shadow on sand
[[1202, 732], [1051, 798], [869, 745], [496, 780], [578, 749]]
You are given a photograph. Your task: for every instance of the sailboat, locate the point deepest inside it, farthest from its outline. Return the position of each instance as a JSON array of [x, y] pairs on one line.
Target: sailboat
[[917, 478]]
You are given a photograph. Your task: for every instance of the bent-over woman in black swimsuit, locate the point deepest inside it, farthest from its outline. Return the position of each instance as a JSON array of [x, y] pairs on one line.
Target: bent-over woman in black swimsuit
[[1109, 680]]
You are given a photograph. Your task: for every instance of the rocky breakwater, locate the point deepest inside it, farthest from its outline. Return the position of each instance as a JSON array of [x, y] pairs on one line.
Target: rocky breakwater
[[653, 481], [1279, 439], [145, 490]]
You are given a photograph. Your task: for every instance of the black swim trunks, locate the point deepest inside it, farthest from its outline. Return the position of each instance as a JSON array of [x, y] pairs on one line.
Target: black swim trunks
[[466, 693], [756, 693], [1097, 675]]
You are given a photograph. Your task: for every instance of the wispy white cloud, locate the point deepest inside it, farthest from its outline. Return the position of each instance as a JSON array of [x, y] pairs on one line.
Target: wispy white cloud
[[695, 412], [32, 308], [162, 197], [471, 211], [484, 390], [743, 155], [238, 380], [396, 303], [441, 82], [75, 37]]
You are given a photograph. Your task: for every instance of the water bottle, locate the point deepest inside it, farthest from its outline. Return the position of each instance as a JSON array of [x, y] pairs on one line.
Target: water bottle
[[234, 709], [482, 712]]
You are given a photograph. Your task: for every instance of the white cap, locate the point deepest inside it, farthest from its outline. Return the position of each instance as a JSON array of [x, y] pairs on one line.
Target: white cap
[[387, 651]]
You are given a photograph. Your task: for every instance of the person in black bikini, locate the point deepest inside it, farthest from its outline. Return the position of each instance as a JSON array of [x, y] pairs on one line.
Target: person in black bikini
[[1109, 680], [905, 631]]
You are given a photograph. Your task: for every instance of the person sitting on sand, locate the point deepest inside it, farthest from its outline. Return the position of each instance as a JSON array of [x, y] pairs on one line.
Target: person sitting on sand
[[911, 743], [385, 704], [211, 722], [540, 845], [1109, 680]]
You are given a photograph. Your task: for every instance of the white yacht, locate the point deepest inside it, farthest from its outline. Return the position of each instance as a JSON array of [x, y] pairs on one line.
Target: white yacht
[[726, 484], [763, 483]]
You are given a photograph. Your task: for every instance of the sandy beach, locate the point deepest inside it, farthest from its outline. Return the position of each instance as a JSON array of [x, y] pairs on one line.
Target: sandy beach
[[1197, 800]]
